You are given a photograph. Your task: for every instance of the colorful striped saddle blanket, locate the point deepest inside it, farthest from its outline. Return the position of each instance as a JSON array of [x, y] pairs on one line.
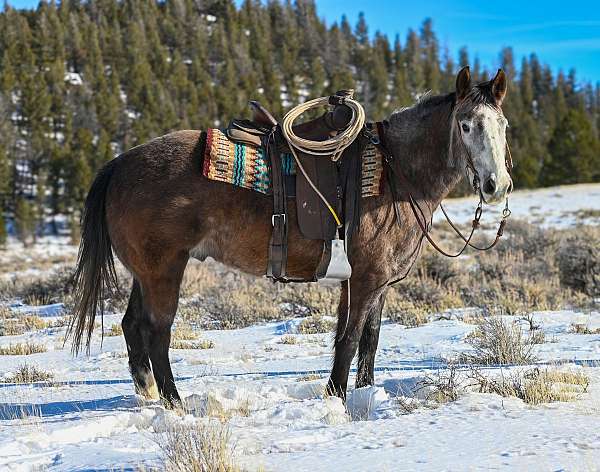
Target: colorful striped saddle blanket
[[247, 166]]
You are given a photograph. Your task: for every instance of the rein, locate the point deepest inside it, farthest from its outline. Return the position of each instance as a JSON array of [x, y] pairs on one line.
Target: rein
[[393, 174]]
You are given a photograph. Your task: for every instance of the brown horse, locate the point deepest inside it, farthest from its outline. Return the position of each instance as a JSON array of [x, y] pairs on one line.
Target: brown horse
[[155, 210]]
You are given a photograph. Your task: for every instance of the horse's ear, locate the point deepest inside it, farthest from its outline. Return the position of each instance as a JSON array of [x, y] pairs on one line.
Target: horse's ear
[[499, 86], [463, 83]]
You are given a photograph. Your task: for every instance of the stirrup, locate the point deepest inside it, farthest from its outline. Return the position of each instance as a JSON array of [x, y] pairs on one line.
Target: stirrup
[[339, 268]]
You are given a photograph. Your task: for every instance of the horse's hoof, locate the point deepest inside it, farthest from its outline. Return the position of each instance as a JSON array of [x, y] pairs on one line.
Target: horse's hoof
[[150, 390]]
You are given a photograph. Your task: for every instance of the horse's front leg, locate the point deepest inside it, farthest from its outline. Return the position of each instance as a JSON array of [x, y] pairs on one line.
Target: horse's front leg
[[363, 300], [367, 347]]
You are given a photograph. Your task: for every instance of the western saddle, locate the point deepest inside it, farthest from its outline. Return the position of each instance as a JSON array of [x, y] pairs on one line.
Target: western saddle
[[338, 181]]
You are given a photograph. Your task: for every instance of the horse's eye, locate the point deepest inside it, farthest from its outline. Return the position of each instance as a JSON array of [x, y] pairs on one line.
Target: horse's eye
[[465, 128]]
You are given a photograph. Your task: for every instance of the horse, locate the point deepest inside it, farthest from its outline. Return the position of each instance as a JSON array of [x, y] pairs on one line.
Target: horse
[[153, 209]]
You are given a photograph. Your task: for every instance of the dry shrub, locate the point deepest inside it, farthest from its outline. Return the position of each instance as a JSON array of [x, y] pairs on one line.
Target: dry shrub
[[534, 386], [53, 288], [216, 297], [28, 374], [22, 349], [578, 258], [198, 447], [444, 386], [412, 300], [316, 324], [499, 342], [520, 275]]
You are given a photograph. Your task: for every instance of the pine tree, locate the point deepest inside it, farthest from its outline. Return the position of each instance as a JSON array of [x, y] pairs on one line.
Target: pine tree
[[574, 152], [4, 189], [24, 221], [147, 67], [430, 57]]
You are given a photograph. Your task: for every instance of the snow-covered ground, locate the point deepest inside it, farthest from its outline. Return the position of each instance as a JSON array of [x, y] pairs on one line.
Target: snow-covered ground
[[88, 418], [552, 207]]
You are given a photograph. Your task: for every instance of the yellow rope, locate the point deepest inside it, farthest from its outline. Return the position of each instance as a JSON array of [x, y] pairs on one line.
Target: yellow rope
[[332, 147]]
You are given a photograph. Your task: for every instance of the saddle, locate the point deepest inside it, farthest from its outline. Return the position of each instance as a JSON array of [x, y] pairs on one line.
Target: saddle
[[339, 182]]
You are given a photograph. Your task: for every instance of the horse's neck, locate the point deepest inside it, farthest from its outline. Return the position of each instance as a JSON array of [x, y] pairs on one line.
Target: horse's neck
[[422, 153]]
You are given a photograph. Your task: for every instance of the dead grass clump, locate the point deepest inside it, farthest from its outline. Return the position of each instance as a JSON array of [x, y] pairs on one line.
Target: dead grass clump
[[201, 344], [184, 332], [499, 342], [578, 260], [21, 324], [28, 374], [198, 447], [22, 349], [316, 324], [535, 386], [114, 330], [287, 339], [580, 328], [309, 378]]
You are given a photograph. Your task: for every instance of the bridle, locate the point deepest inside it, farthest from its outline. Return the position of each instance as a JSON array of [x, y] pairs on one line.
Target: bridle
[[395, 174]]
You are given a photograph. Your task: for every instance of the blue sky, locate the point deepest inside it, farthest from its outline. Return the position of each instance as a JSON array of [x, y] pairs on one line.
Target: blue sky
[[563, 34]]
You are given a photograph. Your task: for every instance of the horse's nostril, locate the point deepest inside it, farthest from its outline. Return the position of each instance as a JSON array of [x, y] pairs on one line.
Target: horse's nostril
[[489, 186]]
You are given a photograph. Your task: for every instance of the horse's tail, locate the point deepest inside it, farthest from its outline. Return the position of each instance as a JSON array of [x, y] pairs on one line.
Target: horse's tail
[[95, 275]]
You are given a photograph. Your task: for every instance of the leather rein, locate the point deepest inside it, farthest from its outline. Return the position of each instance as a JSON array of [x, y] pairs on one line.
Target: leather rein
[[424, 226]]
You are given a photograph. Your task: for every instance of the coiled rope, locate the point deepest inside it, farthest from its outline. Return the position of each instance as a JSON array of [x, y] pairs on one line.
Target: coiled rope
[[332, 147]]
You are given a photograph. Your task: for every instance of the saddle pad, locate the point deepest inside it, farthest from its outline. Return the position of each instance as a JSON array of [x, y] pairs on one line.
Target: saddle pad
[[248, 166], [240, 164]]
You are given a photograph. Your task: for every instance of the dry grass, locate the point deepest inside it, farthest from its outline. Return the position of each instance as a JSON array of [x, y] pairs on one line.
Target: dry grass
[[114, 330], [309, 378], [20, 325], [28, 374], [580, 328], [316, 324], [197, 447], [499, 342], [288, 339], [200, 344], [184, 332], [535, 386], [22, 349]]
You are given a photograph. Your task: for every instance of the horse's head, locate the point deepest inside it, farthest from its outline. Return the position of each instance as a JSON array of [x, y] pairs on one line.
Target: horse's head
[[481, 127]]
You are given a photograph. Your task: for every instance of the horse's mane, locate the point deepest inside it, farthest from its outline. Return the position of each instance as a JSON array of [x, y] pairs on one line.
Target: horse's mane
[[480, 94]]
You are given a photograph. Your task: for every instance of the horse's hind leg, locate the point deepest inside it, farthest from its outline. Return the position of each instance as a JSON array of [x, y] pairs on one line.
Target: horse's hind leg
[[136, 337], [160, 299], [367, 347]]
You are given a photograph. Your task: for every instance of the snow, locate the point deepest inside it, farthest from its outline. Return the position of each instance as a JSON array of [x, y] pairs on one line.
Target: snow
[[556, 207], [73, 78], [88, 417]]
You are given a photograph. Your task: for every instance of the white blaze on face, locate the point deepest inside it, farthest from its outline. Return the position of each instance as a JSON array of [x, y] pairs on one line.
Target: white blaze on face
[[483, 131]]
